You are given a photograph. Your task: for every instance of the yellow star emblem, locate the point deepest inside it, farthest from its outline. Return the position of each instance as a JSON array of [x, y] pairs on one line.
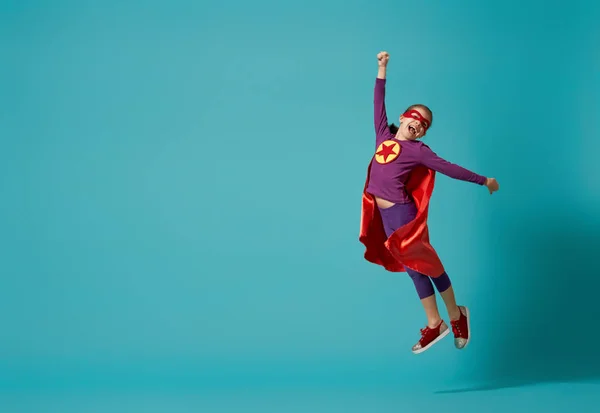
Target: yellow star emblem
[[387, 151]]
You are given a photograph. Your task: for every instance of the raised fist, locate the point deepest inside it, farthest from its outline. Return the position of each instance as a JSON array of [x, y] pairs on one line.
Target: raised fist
[[383, 58]]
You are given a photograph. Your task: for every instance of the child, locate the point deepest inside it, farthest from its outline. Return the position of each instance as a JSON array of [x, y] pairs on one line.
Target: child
[[395, 204]]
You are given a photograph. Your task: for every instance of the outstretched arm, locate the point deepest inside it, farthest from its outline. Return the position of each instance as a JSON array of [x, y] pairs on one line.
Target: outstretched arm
[[432, 161], [381, 121]]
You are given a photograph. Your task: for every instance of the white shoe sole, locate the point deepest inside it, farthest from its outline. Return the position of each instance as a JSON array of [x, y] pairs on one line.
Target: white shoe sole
[[427, 347], [468, 327]]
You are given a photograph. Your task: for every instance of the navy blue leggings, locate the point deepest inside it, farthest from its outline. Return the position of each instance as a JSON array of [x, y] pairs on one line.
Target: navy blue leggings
[[397, 216]]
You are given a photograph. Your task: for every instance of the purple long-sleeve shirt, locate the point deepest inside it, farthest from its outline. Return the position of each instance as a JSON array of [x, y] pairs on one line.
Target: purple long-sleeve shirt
[[388, 177]]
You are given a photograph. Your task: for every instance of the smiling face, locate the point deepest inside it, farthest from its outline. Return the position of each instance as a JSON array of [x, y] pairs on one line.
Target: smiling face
[[415, 122]]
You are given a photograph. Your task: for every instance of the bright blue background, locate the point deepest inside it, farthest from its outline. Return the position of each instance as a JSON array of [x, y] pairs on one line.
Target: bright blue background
[[181, 191]]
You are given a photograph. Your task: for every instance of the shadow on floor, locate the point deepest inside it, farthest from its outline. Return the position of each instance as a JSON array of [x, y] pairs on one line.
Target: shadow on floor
[[547, 302], [489, 387]]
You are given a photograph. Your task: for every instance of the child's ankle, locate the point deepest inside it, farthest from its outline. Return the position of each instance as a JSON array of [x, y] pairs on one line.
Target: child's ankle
[[454, 314]]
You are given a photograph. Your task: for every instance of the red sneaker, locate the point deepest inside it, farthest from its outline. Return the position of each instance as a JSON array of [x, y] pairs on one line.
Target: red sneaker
[[462, 328], [430, 336]]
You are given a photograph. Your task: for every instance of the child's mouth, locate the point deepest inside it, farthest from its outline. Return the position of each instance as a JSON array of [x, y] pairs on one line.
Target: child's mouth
[[412, 130]]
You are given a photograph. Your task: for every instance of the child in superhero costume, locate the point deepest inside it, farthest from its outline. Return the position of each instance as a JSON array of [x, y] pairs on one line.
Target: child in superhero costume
[[395, 203]]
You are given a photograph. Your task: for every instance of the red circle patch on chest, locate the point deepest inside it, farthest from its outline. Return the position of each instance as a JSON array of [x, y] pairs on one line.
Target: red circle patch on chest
[[387, 151]]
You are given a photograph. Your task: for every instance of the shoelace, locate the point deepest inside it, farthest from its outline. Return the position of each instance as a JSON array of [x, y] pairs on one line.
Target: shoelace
[[425, 332], [455, 328]]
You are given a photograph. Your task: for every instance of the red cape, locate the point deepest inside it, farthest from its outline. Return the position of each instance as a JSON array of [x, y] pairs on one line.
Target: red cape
[[409, 245]]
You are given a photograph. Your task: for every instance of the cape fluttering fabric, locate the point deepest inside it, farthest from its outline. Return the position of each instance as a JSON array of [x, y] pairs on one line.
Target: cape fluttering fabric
[[409, 245]]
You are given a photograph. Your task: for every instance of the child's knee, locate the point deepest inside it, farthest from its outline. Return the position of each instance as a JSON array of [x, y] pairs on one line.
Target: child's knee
[[442, 283]]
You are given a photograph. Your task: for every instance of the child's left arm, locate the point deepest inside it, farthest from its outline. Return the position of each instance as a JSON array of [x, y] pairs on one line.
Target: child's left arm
[[432, 161]]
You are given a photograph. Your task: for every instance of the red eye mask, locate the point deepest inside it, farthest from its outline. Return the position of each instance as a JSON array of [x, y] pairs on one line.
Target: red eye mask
[[416, 115]]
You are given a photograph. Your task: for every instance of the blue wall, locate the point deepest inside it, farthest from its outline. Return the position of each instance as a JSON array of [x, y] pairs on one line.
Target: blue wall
[[181, 190]]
